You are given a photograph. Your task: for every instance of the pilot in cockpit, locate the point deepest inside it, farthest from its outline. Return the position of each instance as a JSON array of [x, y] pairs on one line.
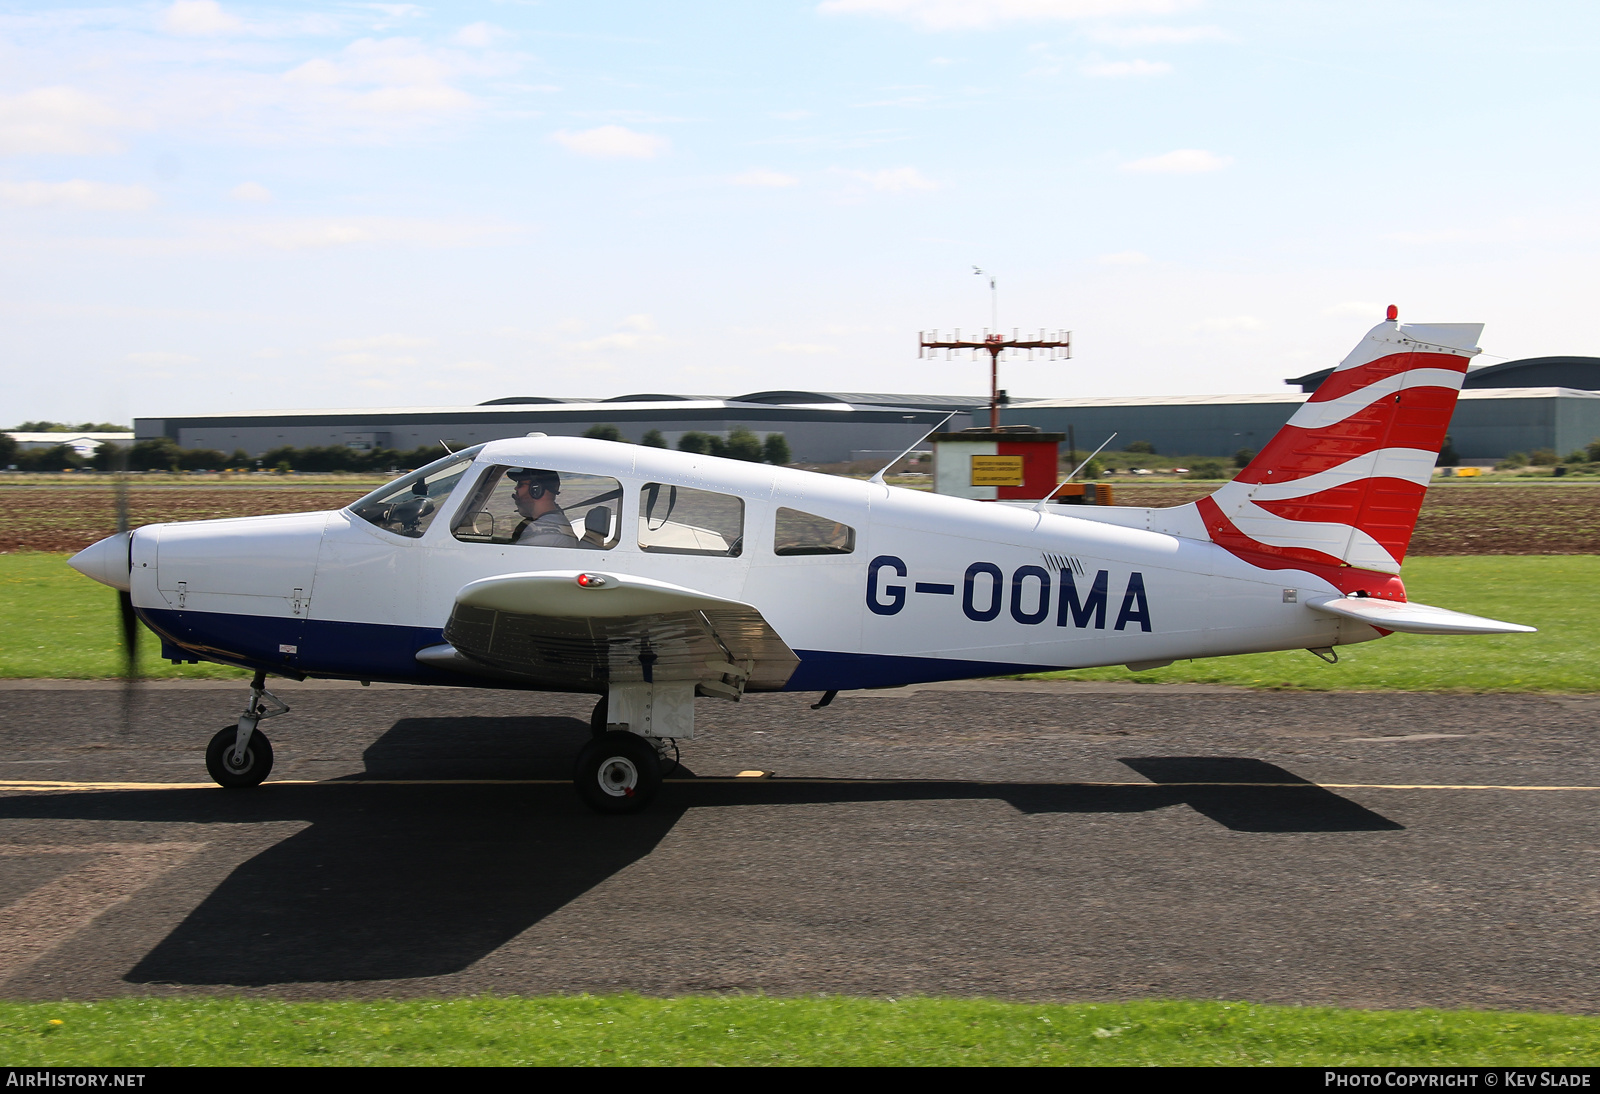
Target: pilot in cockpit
[[543, 523]]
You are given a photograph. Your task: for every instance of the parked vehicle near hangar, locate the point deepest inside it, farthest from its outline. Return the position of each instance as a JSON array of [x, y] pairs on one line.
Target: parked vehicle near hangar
[[648, 578]]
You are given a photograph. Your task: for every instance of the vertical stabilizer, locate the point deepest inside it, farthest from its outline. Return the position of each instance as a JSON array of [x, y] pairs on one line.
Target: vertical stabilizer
[[1341, 484]]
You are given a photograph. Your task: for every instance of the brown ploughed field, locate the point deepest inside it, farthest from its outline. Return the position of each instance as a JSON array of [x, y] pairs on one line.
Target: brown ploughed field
[[69, 518], [1475, 519]]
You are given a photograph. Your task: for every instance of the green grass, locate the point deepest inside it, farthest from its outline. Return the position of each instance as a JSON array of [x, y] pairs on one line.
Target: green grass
[[630, 1030], [56, 623], [1559, 594]]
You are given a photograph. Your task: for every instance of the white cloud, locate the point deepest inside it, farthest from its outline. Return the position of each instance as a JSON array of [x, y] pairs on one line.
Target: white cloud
[[159, 358], [1124, 258], [896, 180], [1115, 69], [1182, 161], [760, 176], [622, 340], [250, 191], [1358, 308], [970, 14], [78, 194], [316, 233], [370, 360], [637, 333], [57, 121], [199, 17], [1225, 324], [479, 35], [1157, 35], [384, 76], [810, 349], [379, 341], [612, 142]]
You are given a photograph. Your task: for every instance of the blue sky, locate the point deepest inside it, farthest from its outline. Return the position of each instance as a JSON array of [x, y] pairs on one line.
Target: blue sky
[[213, 206]]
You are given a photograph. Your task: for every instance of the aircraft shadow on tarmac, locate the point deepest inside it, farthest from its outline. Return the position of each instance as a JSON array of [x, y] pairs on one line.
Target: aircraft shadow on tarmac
[[397, 882]]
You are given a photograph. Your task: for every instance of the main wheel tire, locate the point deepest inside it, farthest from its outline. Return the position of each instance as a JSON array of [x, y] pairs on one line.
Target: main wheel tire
[[257, 763], [597, 720], [618, 773]]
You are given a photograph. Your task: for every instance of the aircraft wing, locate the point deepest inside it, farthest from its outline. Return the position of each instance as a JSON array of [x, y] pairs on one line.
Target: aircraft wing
[[1413, 618], [585, 631]]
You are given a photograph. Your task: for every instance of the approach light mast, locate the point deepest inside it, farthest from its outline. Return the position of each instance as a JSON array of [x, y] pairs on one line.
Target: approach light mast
[[1058, 343]]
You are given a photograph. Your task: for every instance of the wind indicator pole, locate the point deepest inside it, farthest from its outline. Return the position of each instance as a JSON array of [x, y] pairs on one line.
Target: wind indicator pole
[[1059, 345]]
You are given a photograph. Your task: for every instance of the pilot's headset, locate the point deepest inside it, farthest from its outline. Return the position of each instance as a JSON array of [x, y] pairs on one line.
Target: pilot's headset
[[539, 482]]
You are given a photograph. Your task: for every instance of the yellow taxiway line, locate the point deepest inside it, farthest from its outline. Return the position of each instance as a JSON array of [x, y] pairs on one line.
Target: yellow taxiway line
[[61, 786]]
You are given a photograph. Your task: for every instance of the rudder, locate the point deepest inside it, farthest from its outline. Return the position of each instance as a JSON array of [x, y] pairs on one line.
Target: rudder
[[1342, 483]]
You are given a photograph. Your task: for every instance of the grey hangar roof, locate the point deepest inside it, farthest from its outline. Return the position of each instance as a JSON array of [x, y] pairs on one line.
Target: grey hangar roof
[[1488, 422], [820, 427], [825, 427]]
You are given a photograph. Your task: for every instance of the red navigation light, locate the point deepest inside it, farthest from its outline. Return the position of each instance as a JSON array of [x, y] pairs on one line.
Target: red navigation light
[[590, 581], [1394, 312]]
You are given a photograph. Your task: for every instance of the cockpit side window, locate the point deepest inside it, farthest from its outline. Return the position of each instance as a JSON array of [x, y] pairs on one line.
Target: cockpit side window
[[797, 533], [408, 505], [541, 507], [680, 520]]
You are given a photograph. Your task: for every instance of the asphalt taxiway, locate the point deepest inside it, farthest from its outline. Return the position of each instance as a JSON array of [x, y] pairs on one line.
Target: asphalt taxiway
[[1012, 839]]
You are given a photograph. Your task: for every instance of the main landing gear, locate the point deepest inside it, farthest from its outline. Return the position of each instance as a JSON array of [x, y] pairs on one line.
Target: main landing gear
[[633, 734], [240, 755], [618, 772]]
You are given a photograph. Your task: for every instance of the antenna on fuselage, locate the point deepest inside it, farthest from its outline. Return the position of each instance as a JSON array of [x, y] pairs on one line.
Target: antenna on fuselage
[[878, 477], [1040, 507]]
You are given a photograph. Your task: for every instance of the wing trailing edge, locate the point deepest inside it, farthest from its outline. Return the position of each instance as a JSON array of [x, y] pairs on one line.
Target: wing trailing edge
[[585, 631]]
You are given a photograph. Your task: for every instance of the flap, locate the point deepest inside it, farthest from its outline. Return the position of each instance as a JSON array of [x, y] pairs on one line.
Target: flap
[[1412, 618], [546, 627]]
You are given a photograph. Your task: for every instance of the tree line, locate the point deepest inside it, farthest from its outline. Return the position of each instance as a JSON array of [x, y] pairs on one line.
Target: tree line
[[740, 444], [164, 454]]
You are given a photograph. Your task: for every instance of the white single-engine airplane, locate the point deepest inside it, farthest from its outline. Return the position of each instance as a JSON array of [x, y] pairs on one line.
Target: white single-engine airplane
[[648, 577]]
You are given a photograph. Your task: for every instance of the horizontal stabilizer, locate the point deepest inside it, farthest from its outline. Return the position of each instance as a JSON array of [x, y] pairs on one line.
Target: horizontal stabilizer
[[1413, 618]]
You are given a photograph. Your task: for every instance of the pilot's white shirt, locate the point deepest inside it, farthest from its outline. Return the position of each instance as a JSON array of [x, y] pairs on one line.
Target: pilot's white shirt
[[551, 530]]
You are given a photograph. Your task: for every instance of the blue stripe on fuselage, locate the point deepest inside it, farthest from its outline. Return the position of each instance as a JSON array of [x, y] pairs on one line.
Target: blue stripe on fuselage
[[383, 651]]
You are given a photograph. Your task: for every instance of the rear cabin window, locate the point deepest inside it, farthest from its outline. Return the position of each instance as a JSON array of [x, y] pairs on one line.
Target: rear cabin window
[[408, 505], [679, 520], [800, 533], [542, 507]]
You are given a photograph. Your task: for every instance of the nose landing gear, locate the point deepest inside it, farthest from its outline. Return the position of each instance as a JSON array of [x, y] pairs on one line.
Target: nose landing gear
[[240, 755]]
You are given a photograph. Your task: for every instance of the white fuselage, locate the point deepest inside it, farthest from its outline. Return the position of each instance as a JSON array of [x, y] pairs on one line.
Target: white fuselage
[[935, 587]]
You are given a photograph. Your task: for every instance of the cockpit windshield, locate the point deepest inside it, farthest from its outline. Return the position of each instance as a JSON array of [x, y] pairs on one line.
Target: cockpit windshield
[[408, 505]]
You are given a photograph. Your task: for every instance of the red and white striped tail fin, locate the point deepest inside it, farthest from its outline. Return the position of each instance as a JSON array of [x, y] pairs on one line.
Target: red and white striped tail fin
[[1341, 484]]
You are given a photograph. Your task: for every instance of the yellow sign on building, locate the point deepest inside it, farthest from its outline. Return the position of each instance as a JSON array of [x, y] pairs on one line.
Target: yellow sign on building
[[996, 470]]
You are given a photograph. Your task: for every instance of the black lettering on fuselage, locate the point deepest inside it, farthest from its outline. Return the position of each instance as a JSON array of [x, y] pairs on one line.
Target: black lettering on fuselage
[[1093, 604], [895, 593], [996, 594], [1042, 607], [1135, 608]]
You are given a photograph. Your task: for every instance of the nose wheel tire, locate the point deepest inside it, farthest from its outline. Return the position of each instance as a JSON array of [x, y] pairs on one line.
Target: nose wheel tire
[[257, 764], [597, 720], [618, 773]]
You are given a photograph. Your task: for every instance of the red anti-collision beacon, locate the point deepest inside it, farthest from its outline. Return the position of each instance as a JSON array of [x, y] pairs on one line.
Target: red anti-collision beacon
[[1394, 312]]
